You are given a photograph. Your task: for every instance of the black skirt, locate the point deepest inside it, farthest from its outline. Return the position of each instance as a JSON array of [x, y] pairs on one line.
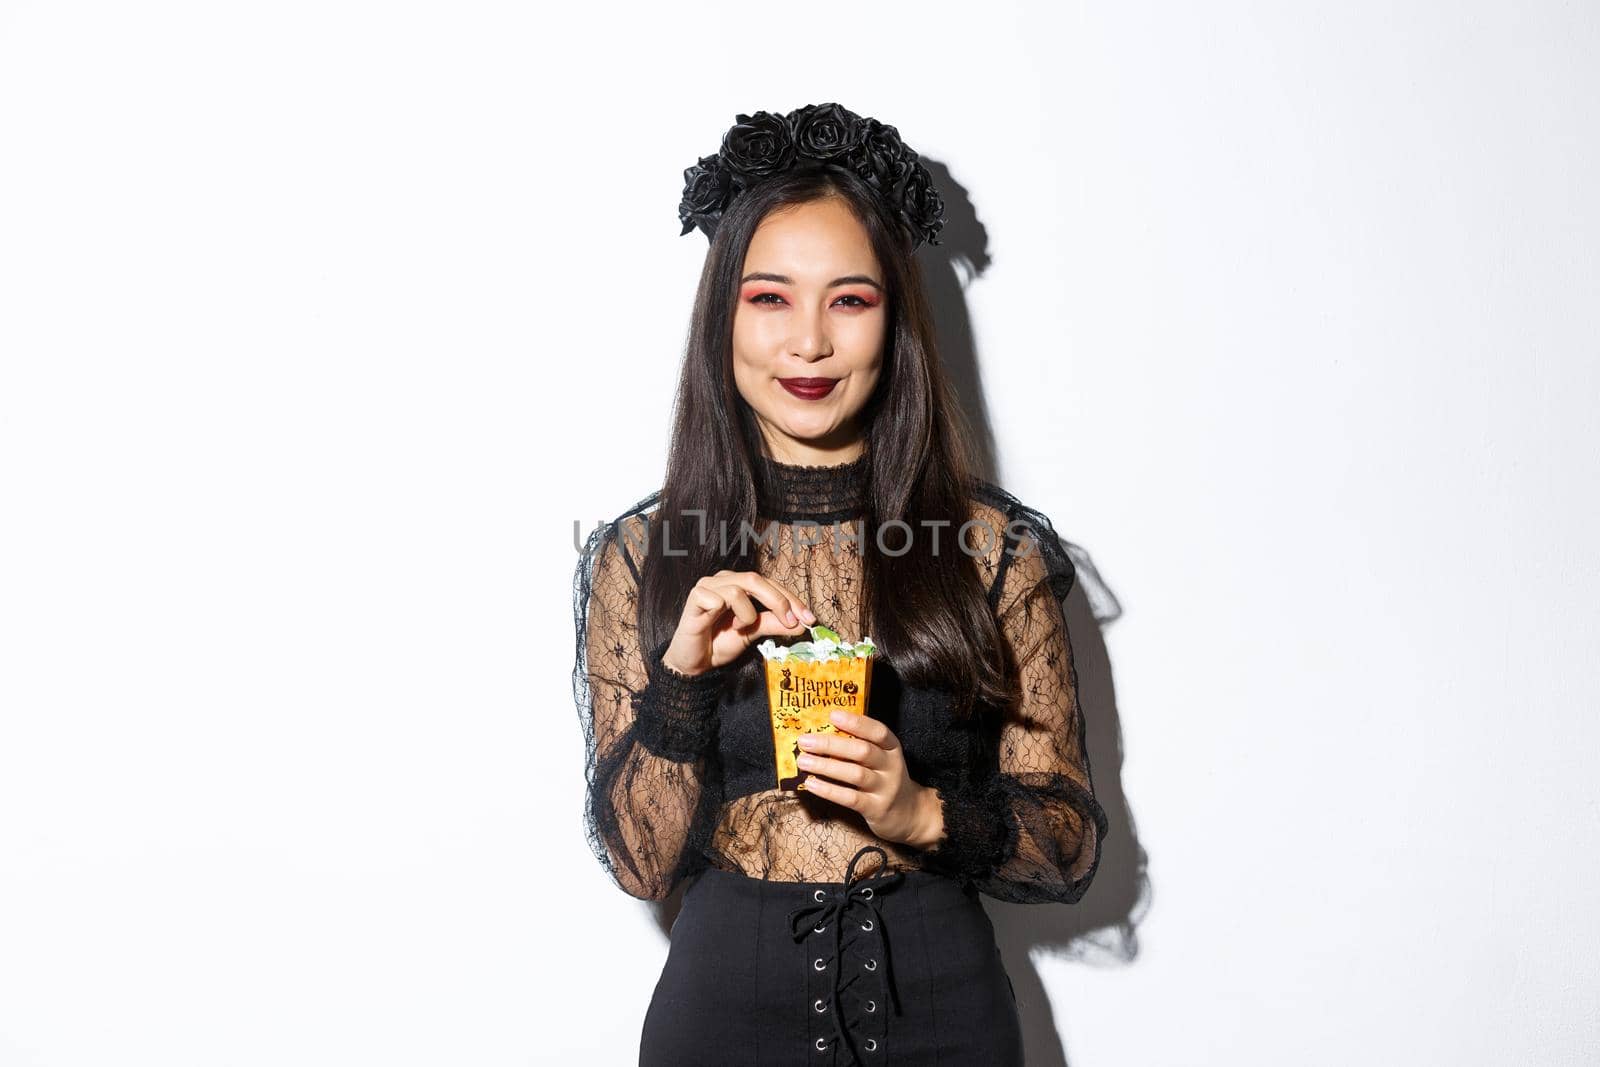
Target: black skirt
[[898, 968]]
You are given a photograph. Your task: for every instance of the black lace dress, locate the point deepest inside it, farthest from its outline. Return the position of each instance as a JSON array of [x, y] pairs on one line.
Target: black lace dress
[[782, 942]]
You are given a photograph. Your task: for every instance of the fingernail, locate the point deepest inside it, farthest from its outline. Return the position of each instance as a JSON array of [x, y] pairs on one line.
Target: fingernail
[[807, 762], [790, 617], [810, 616]]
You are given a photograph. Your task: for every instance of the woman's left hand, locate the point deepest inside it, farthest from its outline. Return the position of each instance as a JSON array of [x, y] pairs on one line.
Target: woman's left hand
[[866, 772]]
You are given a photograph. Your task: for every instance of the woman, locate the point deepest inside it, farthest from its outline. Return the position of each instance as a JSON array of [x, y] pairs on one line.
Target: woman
[[818, 471]]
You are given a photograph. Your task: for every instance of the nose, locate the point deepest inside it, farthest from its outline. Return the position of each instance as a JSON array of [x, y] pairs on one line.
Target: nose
[[810, 341]]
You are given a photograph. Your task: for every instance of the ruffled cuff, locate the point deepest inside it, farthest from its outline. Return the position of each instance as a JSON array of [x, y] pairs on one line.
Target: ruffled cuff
[[980, 833], [675, 715]]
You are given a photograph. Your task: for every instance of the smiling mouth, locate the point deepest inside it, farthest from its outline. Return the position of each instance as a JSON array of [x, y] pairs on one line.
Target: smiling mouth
[[809, 388]]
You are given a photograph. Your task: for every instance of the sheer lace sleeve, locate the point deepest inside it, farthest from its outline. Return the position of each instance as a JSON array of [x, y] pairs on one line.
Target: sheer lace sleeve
[[648, 730], [1029, 829]]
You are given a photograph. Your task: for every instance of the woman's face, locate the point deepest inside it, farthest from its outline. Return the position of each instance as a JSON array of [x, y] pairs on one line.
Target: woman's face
[[809, 330]]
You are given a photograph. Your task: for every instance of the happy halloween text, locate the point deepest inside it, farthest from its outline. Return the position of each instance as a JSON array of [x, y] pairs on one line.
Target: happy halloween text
[[813, 693]]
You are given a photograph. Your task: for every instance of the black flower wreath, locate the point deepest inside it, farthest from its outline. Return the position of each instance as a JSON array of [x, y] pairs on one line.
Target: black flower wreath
[[761, 145]]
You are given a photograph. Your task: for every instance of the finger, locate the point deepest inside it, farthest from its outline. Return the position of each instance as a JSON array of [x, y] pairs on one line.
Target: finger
[[841, 747], [773, 626], [803, 615], [839, 794], [705, 605], [838, 770], [739, 602], [782, 601], [865, 727], [732, 588], [711, 602]]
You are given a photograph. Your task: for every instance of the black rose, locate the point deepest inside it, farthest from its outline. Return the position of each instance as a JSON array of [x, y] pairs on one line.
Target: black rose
[[921, 203], [705, 192], [758, 145], [877, 155], [764, 144], [824, 131]]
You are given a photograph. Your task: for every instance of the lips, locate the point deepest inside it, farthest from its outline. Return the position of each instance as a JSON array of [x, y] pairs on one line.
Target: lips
[[809, 388]]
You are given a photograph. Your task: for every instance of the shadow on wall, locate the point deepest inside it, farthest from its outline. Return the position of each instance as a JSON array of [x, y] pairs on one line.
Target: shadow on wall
[[1102, 927]]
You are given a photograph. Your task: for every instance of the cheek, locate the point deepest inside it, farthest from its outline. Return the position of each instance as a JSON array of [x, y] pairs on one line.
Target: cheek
[[744, 342], [866, 334], [749, 370], [748, 361], [866, 348], [743, 377], [866, 379], [755, 325]]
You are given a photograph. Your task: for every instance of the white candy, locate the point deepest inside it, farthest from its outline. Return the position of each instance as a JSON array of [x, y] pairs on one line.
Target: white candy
[[821, 650]]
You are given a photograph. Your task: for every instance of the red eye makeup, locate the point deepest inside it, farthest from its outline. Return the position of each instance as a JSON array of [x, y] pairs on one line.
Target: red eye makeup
[[849, 300]]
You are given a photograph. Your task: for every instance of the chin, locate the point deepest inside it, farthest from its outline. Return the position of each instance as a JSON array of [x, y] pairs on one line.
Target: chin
[[812, 429], [804, 432]]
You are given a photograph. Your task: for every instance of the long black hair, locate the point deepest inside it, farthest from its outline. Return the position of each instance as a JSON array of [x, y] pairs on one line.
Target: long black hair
[[928, 612]]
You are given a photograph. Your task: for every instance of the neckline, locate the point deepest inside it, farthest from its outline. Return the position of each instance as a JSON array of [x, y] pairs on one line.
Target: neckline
[[787, 492]]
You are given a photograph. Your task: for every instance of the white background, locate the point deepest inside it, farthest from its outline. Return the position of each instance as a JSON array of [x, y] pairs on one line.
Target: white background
[[322, 322]]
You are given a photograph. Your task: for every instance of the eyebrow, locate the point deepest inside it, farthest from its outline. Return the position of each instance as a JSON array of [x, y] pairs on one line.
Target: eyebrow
[[784, 279]]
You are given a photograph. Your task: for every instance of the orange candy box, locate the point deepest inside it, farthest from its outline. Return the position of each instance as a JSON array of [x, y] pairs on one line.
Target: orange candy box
[[802, 693]]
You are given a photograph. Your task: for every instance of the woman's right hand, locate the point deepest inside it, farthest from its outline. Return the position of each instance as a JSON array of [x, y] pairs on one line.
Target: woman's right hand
[[720, 620]]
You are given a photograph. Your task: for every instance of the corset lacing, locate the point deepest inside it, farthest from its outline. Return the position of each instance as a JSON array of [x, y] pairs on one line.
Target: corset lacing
[[833, 908]]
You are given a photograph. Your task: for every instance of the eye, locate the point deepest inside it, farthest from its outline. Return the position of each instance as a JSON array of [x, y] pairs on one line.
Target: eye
[[850, 300]]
